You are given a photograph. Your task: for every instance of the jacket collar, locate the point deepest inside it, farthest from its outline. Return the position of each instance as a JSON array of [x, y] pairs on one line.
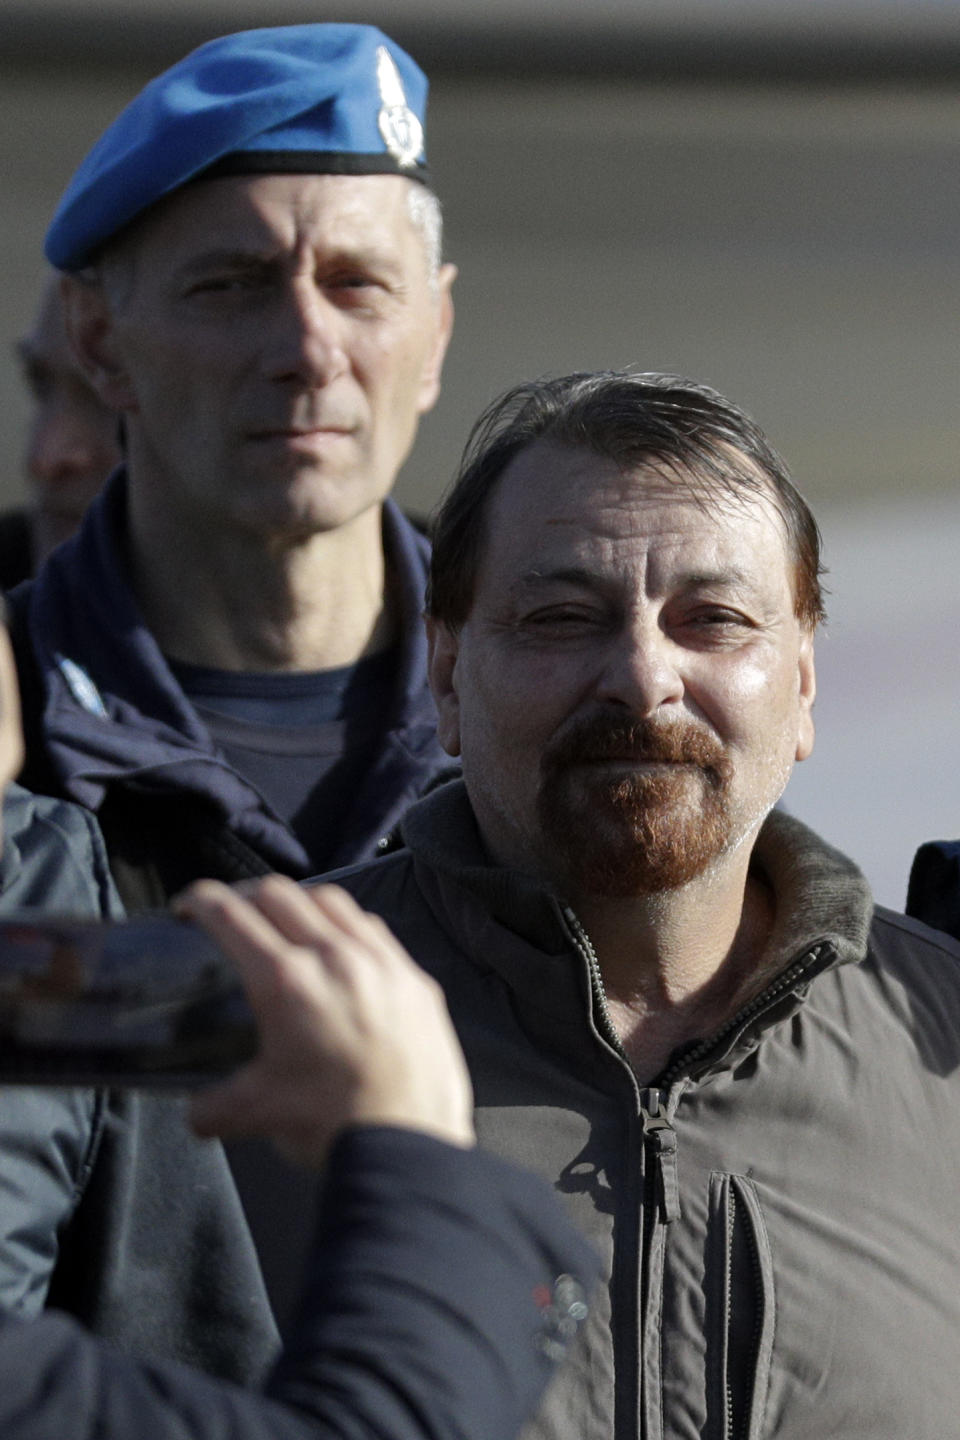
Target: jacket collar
[[822, 898], [113, 711]]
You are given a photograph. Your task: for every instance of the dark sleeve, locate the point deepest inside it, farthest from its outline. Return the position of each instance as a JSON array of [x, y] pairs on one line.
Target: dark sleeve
[[53, 859], [447, 1284], [933, 892], [444, 1288]]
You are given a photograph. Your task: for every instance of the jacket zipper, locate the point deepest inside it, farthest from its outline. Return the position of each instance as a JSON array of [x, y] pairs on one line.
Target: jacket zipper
[[660, 1187], [584, 944], [704, 1049], [661, 1182], [698, 1055], [727, 1320]]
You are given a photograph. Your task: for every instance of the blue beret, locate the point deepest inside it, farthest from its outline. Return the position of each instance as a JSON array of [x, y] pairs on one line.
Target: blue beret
[[312, 99]]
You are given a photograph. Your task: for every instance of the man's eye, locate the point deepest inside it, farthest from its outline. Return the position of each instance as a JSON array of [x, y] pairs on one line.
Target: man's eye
[[354, 283], [562, 618], [719, 620], [222, 284]]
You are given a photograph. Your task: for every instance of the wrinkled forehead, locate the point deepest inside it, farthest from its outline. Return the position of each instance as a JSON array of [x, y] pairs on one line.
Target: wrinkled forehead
[[550, 492], [266, 214]]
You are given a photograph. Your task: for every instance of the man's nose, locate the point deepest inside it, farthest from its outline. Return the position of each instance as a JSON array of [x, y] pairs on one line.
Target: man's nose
[[307, 342], [642, 671]]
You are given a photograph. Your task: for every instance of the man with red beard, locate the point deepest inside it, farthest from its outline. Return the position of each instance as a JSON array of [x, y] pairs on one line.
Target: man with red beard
[[678, 1003]]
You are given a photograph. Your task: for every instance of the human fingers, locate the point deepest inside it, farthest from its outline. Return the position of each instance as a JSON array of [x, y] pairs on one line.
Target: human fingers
[[320, 946], [297, 1089], [338, 984], [244, 934], [323, 916], [357, 951]]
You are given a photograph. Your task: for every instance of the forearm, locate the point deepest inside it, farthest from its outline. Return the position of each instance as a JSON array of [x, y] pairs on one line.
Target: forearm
[[428, 1317], [431, 1311]]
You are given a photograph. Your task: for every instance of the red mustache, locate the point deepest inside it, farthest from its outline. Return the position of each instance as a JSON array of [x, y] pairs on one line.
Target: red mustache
[[601, 737]]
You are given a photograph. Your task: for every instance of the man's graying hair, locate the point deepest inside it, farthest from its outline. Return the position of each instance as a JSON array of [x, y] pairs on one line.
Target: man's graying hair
[[424, 210], [686, 432]]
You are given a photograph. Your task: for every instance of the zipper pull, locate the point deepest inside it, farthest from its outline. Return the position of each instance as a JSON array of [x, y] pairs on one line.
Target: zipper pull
[[662, 1145]]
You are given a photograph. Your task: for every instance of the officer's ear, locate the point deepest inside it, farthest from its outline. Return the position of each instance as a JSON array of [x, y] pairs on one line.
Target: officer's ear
[[442, 331], [89, 318], [443, 644]]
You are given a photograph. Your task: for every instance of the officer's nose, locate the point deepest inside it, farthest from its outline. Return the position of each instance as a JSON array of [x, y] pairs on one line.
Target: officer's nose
[[307, 339]]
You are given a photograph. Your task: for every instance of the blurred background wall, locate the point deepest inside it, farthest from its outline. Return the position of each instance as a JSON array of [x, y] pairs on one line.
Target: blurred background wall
[[760, 193]]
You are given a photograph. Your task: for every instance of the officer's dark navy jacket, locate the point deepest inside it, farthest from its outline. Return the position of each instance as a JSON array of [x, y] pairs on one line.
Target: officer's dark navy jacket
[[107, 724]]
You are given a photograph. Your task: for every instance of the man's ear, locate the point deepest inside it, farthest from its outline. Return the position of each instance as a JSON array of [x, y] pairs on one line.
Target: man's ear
[[443, 649], [807, 675], [88, 317], [433, 367]]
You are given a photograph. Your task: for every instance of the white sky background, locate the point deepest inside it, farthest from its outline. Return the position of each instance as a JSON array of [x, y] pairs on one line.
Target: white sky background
[[885, 772]]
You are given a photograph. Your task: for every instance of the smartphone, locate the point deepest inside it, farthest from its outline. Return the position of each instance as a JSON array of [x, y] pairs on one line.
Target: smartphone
[[145, 1002]]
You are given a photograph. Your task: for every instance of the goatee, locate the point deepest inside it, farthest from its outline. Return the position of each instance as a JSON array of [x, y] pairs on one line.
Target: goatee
[[632, 832]]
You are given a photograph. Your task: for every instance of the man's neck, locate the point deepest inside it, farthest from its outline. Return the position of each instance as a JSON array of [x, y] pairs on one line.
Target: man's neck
[[676, 966], [239, 602]]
